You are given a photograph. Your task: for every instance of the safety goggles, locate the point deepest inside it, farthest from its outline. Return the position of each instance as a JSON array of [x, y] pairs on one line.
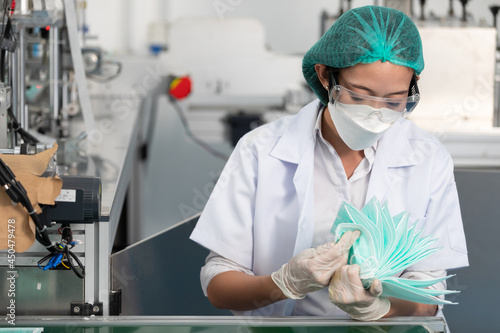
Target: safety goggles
[[394, 108]]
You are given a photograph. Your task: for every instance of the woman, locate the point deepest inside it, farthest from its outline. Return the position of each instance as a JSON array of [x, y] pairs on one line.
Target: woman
[[268, 219]]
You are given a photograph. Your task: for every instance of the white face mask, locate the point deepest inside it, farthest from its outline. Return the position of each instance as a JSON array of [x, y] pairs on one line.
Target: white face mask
[[360, 126]]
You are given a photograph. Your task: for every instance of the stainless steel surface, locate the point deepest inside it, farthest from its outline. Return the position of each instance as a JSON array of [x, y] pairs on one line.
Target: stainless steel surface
[[116, 144], [91, 260], [14, 79], [24, 6], [39, 18], [4, 105], [30, 149], [22, 115], [228, 102], [54, 78], [65, 95], [432, 324], [145, 129], [162, 284], [134, 194], [41, 292], [103, 267], [496, 92], [76, 56], [17, 66], [477, 311], [119, 133]]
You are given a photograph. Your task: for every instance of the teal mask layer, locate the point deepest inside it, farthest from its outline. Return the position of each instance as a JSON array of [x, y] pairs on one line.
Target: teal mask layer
[[387, 246]]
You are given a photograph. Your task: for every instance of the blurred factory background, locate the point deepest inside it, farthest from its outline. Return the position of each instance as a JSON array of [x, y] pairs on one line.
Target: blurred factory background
[[255, 49], [231, 65]]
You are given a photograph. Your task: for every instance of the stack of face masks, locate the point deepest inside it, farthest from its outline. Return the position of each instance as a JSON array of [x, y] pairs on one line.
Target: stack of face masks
[[388, 245]]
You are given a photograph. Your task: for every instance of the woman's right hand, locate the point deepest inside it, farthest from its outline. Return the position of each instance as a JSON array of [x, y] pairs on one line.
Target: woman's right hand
[[348, 293], [312, 269]]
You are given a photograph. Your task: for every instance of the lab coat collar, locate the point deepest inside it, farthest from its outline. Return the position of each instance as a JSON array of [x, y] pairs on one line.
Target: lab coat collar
[[298, 136], [395, 146], [394, 151]]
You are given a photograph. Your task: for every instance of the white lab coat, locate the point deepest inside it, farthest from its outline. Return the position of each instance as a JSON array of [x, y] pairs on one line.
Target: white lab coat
[[261, 211]]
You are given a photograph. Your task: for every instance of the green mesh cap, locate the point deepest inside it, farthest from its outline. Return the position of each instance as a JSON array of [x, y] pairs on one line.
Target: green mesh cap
[[365, 35]]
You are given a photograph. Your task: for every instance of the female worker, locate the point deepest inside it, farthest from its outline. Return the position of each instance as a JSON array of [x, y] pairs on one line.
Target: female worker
[[268, 219]]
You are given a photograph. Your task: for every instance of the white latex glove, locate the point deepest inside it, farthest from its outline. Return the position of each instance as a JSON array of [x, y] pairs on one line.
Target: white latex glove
[[312, 269], [347, 292]]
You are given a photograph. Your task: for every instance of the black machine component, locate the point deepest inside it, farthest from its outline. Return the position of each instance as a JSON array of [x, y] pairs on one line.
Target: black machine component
[[422, 10], [86, 309], [8, 44], [115, 302], [494, 11], [79, 201], [464, 11], [92, 60], [242, 123]]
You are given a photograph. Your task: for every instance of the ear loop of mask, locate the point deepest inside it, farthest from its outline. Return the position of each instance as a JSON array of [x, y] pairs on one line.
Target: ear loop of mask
[[332, 82], [413, 90]]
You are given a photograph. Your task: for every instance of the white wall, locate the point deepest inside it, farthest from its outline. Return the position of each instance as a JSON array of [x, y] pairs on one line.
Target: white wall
[[292, 26]]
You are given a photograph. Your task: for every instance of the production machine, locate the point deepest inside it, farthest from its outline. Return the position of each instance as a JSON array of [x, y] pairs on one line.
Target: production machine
[[54, 225]]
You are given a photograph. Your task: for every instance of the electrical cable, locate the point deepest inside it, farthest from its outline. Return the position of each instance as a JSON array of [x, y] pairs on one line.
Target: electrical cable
[[64, 253], [80, 274], [44, 259], [7, 35], [5, 11], [198, 141], [25, 135], [5, 27], [62, 262], [69, 243]]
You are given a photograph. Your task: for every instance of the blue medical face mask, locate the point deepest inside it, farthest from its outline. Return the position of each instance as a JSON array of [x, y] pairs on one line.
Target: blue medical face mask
[[387, 246]]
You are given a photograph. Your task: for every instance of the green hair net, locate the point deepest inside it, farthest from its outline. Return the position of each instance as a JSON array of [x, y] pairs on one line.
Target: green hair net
[[365, 35]]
